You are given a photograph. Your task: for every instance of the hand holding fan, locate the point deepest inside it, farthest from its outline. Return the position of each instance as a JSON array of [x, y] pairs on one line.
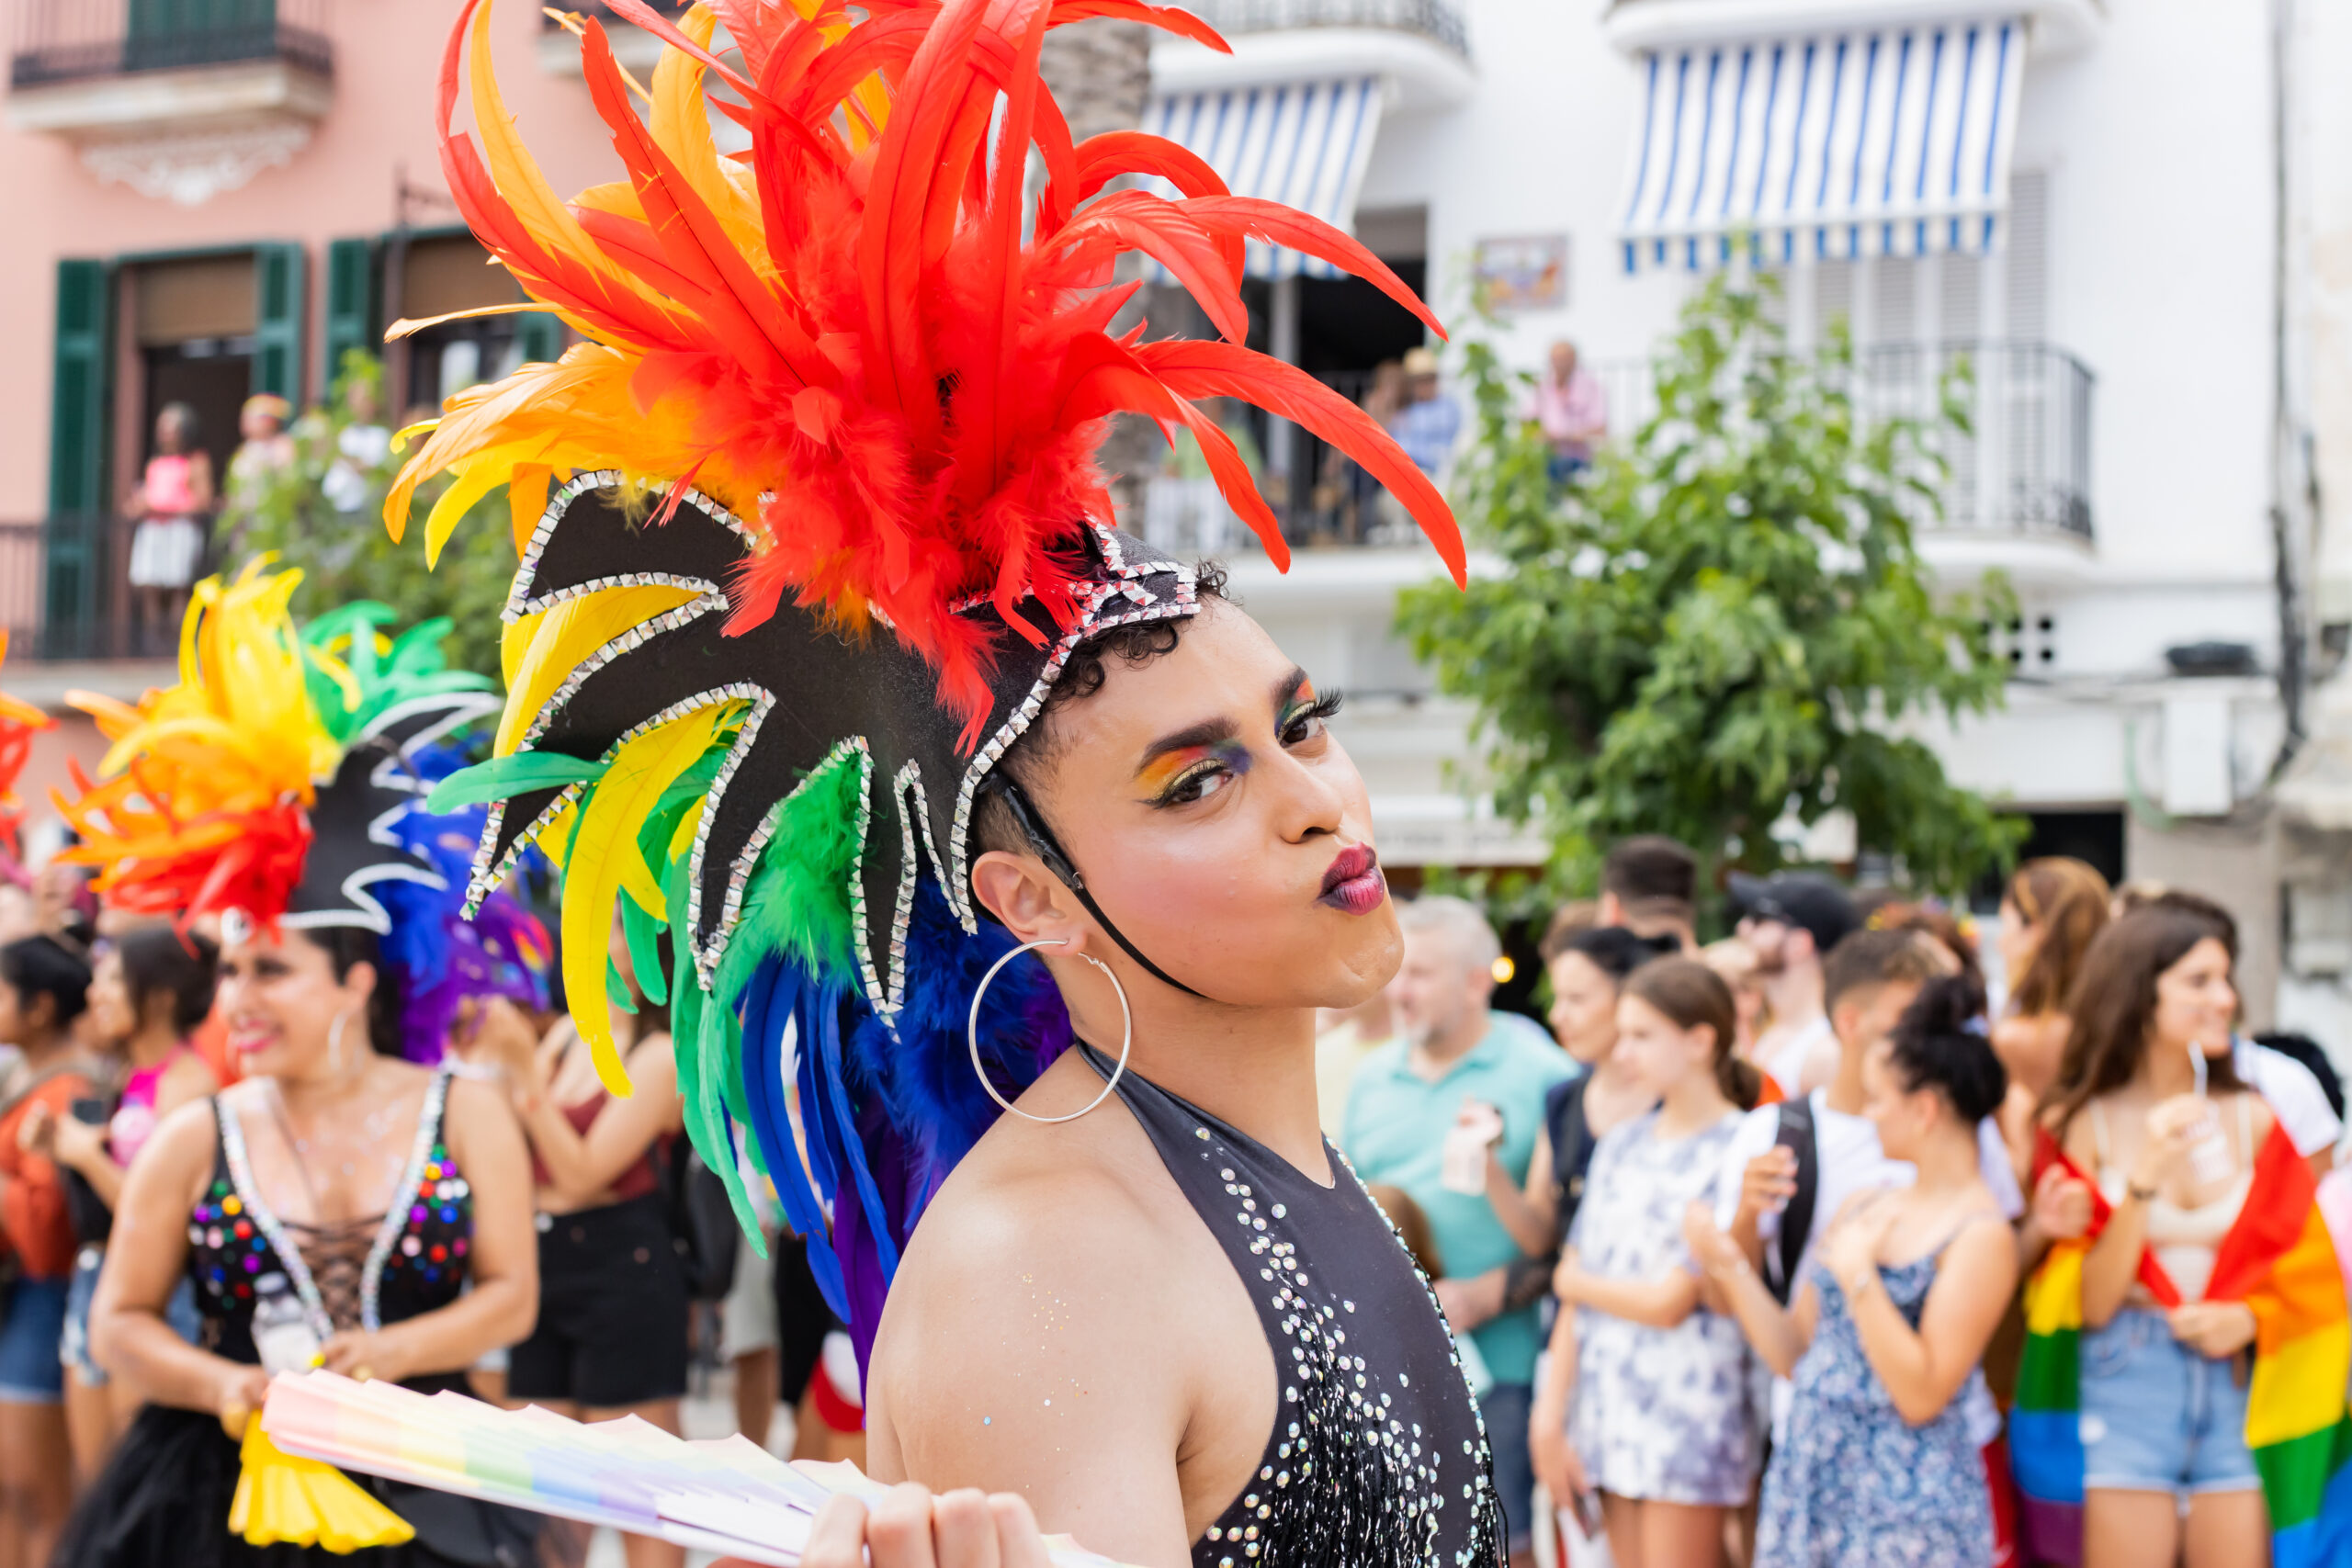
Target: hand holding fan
[[730, 1496]]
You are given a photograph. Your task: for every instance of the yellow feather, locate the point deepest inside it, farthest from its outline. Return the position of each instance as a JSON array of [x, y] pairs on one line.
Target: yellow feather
[[514, 642], [480, 476], [687, 827], [606, 858], [566, 636]]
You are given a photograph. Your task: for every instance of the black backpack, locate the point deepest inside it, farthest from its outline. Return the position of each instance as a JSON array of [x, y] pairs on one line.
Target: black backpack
[[1796, 1134], [702, 1220]]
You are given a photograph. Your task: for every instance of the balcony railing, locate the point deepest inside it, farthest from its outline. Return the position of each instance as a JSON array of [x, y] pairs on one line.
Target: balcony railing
[[65, 594], [551, 17], [75, 40], [1432, 19], [2023, 468]]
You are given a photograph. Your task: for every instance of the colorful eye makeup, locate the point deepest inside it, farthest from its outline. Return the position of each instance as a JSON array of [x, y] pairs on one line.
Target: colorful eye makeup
[[1166, 777], [1182, 773]]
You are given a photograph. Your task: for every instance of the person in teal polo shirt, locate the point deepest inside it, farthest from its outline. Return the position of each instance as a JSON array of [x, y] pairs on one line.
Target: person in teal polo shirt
[[1451, 1051]]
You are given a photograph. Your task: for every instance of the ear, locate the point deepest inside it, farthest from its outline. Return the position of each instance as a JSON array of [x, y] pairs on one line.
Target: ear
[[1031, 901], [361, 981]]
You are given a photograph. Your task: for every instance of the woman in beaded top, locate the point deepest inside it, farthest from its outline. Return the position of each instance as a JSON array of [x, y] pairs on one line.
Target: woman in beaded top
[[826, 655], [342, 1203]]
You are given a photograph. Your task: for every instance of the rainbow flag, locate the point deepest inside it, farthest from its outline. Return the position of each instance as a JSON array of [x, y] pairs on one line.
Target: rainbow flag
[[2279, 1260]]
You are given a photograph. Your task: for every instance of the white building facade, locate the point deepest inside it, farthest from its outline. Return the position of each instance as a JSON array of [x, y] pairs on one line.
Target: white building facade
[[2116, 209]]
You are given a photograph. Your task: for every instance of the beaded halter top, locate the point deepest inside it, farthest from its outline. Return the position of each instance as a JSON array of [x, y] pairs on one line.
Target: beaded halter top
[[1378, 1457], [400, 1264]]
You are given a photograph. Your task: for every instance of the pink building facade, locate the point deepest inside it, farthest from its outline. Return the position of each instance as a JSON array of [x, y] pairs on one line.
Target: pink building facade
[[214, 197]]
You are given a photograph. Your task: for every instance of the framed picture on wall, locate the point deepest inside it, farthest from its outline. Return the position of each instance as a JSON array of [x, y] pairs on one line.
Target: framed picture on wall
[[1524, 272]]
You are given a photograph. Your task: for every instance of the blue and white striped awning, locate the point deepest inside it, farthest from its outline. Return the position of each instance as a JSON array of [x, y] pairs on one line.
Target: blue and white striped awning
[[1302, 144], [1846, 144]]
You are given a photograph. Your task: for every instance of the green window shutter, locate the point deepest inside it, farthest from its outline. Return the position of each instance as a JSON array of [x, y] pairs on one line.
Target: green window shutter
[[78, 389], [72, 567], [350, 306], [277, 333], [541, 336]]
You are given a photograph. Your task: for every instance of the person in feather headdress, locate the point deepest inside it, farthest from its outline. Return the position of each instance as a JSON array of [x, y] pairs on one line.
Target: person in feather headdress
[[349, 1201], [826, 656]]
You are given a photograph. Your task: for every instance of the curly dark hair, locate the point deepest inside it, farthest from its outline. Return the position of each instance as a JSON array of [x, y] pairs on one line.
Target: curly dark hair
[[1083, 676]]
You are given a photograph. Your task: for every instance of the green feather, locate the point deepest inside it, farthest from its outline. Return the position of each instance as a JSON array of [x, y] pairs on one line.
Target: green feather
[[644, 933], [502, 777]]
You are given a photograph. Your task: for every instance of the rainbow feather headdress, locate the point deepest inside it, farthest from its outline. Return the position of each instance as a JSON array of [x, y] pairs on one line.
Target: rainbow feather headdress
[[810, 524], [284, 779]]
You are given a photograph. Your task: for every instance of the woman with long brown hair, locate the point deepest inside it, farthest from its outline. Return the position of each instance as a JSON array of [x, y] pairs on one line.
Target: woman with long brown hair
[[2148, 1102], [2052, 908]]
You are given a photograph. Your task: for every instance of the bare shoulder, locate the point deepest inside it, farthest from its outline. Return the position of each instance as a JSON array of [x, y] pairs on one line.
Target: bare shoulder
[[1060, 1298], [475, 1109], [177, 1156]]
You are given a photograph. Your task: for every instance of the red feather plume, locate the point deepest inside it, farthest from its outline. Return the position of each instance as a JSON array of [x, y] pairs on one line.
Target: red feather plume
[[865, 334]]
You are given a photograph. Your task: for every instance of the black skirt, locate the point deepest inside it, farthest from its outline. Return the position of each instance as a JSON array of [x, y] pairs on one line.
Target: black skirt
[[163, 1501]]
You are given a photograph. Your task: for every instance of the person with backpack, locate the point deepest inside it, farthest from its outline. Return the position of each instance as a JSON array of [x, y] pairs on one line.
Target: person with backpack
[[44, 985], [1659, 1424], [615, 1297], [1792, 1168], [1876, 1464]]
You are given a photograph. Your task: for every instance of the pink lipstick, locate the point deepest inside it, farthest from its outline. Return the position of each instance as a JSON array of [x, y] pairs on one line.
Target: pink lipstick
[[1355, 884]]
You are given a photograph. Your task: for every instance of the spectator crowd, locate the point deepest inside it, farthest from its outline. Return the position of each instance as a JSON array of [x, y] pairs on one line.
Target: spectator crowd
[[1754, 1260]]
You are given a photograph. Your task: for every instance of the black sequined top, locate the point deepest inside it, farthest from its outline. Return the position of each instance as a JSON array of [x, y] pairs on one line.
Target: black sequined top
[[363, 1274], [1378, 1459]]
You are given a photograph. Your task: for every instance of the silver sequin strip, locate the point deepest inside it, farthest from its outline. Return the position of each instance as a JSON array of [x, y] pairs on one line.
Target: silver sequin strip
[[520, 601]]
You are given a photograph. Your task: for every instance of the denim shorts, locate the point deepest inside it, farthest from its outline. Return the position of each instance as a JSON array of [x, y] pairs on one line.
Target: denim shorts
[[30, 1373], [74, 1345], [2157, 1416]]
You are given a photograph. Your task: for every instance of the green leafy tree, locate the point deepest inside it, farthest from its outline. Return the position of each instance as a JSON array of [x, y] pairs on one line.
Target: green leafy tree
[[345, 554], [1726, 618]]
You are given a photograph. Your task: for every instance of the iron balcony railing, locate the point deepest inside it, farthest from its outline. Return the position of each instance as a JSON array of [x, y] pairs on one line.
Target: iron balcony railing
[[2023, 468], [1432, 19], [72, 40], [64, 592]]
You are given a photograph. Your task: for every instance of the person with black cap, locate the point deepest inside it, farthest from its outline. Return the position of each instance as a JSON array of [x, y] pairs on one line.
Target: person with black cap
[[1791, 920]]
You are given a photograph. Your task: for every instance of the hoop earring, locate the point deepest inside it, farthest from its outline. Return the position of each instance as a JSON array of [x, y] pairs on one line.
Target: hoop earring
[[1126, 1033]]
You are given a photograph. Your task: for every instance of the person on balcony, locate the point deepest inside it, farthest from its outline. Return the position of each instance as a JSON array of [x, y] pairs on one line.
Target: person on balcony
[[169, 506], [1573, 411], [1427, 427], [265, 453]]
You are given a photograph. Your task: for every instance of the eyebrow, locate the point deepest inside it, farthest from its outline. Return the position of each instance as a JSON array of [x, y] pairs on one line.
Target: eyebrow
[[1209, 731]]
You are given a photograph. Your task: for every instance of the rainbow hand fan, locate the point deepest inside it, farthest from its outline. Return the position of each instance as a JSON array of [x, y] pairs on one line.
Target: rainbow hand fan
[[730, 1497]]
